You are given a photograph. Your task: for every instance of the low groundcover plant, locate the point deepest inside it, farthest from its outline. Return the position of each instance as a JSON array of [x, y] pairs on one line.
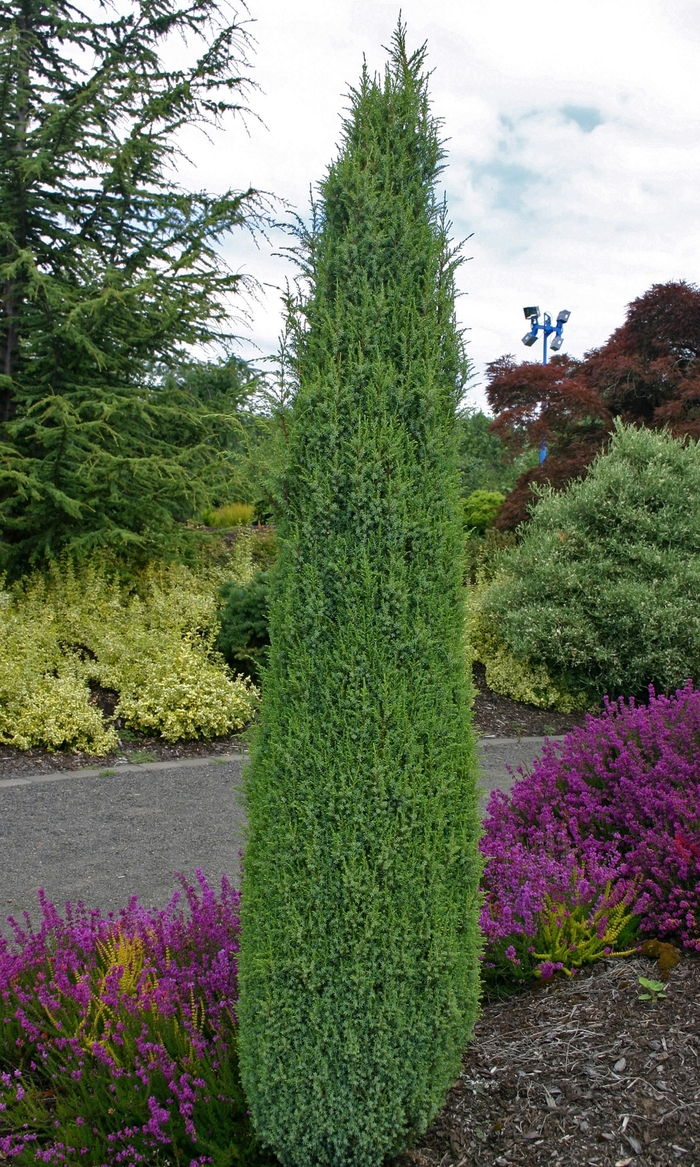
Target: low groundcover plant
[[118, 1036], [599, 844]]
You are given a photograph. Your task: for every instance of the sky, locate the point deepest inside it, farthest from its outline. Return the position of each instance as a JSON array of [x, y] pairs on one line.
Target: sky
[[573, 140]]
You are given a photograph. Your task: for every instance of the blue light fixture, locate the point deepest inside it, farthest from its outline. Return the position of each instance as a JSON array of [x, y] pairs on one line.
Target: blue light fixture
[[546, 328]]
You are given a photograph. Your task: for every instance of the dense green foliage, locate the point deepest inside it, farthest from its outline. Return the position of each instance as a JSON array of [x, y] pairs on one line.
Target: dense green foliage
[[602, 591], [110, 273], [244, 634], [480, 509], [359, 971], [485, 462], [233, 514]]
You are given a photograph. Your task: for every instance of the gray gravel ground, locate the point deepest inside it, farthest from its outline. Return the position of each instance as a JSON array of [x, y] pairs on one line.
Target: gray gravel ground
[[498, 753], [101, 836], [100, 839]]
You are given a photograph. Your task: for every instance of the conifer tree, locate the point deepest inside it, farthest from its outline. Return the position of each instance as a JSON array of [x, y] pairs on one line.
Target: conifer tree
[[358, 967], [109, 271]]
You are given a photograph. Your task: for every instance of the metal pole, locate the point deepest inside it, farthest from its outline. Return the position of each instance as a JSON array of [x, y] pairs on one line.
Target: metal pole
[[547, 320]]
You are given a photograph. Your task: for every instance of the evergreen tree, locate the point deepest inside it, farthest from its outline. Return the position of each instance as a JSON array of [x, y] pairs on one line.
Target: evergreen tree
[[232, 397], [485, 463], [358, 966], [109, 272]]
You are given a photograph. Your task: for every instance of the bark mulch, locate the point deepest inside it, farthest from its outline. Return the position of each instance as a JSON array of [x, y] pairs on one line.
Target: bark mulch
[[496, 716], [578, 1072]]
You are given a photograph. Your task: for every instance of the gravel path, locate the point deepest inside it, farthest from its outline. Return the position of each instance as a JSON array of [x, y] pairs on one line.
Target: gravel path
[[103, 835], [500, 758]]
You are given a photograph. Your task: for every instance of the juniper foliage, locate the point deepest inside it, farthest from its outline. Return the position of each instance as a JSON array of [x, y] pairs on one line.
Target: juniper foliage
[[359, 978]]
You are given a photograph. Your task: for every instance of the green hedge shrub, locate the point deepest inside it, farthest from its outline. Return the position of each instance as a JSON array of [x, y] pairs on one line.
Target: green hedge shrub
[[358, 963], [519, 679], [602, 591], [244, 634]]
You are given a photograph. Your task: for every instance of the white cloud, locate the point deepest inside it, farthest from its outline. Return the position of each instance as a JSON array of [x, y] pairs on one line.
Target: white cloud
[[574, 146]]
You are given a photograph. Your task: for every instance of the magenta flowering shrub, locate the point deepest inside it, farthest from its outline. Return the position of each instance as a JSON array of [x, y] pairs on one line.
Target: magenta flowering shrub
[[608, 820], [117, 1035]]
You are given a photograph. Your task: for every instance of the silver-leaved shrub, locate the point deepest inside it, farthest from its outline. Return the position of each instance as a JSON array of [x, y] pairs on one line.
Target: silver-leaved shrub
[[600, 595]]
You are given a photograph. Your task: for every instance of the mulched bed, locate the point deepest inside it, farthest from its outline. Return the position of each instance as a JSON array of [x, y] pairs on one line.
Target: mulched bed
[[496, 716], [14, 763], [578, 1072]]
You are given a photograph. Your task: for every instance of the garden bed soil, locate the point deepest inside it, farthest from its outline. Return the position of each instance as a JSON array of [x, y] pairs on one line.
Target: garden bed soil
[[496, 716], [578, 1072], [14, 763]]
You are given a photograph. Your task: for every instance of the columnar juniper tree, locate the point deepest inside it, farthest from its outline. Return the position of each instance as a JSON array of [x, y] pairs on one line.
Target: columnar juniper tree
[[359, 954]]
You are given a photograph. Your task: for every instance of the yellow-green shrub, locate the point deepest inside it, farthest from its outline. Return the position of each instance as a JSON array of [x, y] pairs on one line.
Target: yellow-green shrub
[[505, 673], [153, 645]]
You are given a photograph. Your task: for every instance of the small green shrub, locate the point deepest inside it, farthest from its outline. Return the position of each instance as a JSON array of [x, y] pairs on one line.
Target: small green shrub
[[602, 591], [45, 698], [244, 636], [481, 508], [234, 514]]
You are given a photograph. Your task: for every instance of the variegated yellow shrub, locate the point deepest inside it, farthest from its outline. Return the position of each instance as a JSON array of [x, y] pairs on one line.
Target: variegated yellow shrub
[[152, 643], [505, 673]]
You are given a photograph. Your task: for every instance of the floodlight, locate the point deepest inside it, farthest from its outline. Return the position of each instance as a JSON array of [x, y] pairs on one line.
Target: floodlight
[[563, 317], [529, 338], [556, 343], [531, 312]]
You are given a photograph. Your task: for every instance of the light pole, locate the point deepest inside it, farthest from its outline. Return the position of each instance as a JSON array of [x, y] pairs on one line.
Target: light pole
[[546, 328]]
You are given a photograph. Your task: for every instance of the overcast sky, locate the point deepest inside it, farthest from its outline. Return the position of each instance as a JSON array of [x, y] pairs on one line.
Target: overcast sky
[[573, 147]]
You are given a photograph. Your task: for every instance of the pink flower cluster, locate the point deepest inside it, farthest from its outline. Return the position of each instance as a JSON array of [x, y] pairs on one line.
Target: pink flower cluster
[[133, 1013], [618, 802]]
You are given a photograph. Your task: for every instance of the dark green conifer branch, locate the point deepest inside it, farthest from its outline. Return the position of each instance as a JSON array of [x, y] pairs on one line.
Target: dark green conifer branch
[[109, 272]]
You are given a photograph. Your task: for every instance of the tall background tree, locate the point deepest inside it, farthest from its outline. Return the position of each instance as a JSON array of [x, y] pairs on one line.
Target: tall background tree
[[646, 374], [109, 271], [358, 966]]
